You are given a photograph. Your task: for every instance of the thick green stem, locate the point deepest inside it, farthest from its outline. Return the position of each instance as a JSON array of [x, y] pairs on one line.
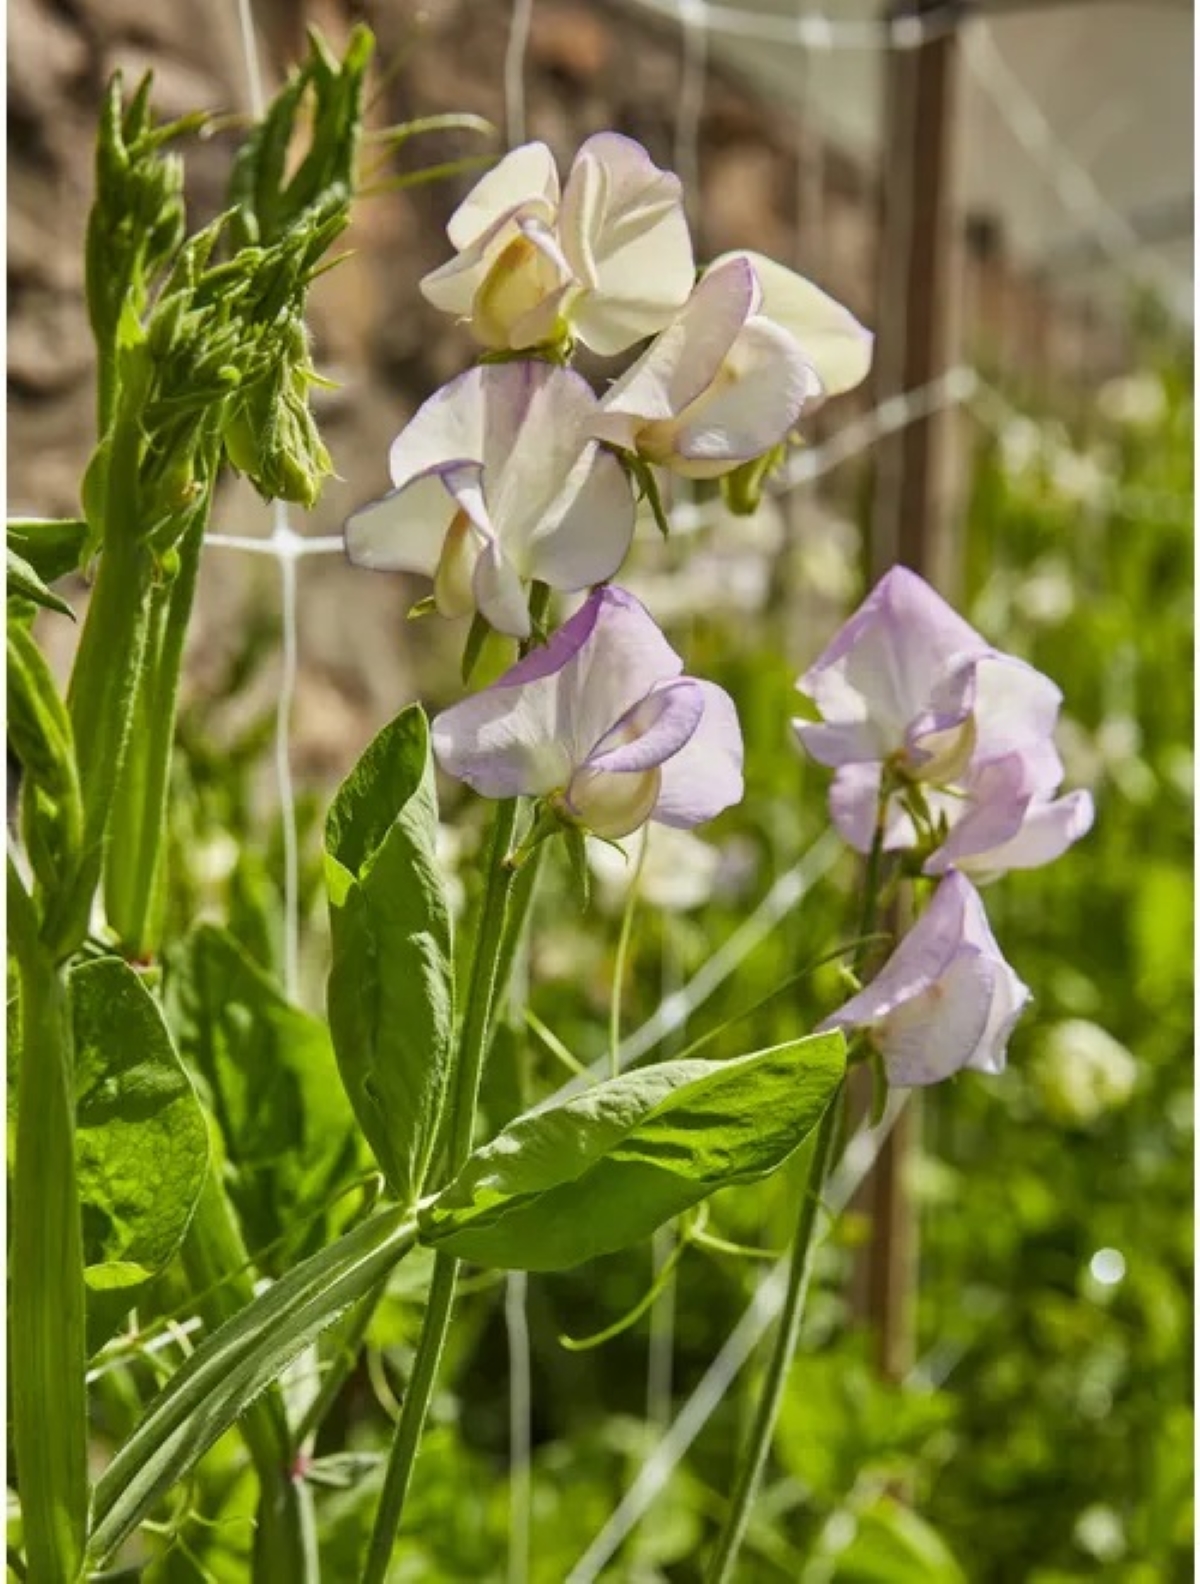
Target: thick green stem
[[47, 1357], [491, 950], [133, 872], [217, 1266], [788, 1335]]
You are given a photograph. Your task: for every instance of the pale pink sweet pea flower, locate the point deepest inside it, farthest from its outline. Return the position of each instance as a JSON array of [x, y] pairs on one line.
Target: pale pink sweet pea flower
[[909, 687], [945, 1000], [602, 724], [995, 820], [726, 381], [610, 260], [496, 484]]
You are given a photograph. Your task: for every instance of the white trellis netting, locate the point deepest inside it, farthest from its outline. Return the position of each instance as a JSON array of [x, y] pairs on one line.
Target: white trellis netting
[[807, 32]]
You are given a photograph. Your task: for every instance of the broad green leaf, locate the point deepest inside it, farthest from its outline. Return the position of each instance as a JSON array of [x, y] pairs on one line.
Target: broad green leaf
[[567, 1183], [24, 583], [391, 984], [141, 1143], [290, 1137], [232, 1366], [52, 547]]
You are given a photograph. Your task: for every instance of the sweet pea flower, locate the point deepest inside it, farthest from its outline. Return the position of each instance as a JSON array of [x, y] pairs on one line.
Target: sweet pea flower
[[601, 723], [496, 483], [610, 259], [994, 818], [728, 379], [945, 999], [908, 688]]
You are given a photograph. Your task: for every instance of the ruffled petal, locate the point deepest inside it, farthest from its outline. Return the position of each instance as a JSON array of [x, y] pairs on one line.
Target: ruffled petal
[[448, 428], [684, 360], [562, 507], [942, 1030], [527, 172], [756, 399], [832, 340], [853, 802], [405, 531], [654, 729], [1045, 833], [705, 776], [880, 672], [623, 228]]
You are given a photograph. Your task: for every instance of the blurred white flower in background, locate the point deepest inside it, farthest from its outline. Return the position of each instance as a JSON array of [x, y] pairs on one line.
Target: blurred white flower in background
[[1082, 1072], [1137, 400], [679, 872]]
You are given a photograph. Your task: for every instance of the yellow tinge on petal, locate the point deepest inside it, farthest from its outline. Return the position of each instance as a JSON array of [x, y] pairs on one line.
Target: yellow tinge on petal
[[453, 585], [612, 803], [519, 281]]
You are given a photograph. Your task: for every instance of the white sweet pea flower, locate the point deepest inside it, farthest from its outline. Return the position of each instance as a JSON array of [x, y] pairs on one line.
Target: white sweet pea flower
[[727, 381], [834, 344], [720, 386], [611, 260], [496, 484]]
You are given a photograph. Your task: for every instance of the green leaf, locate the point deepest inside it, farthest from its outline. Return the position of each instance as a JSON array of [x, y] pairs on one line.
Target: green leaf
[[39, 733], [141, 1144], [894, 1545], [51, 547], [225, 1374], [24, 583], [391, 983], [290, 1137], [570, 1182]]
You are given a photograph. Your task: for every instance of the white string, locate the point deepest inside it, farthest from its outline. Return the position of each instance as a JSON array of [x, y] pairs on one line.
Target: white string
[[254, 82], [286, 543], [814, 30], [859, 1157], [329, 544], [514, 71], [286, 547], [520, 1413], [694, 65]]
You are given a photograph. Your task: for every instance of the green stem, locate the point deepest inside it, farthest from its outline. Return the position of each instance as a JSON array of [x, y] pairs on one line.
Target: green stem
[[614, 1006], [721, 1566], [491, 950], [217, 1266], [133, 875], [48, 1353], [787, 1337]]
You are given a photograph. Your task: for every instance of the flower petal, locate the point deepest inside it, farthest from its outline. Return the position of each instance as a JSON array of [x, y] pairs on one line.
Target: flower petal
[[448, 428], [881, 670], [853, 802], [683, 361], [1047, 830], [562, 507], [1016, 710], [940, 1031], [527, 172], [622, 226], [499, 592], [654, 729], [763, 385], [405, 531], [705, 776], [831, 338], [530, 731]]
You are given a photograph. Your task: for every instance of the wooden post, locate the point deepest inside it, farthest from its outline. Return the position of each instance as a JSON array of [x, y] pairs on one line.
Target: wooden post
[[917, 324]]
